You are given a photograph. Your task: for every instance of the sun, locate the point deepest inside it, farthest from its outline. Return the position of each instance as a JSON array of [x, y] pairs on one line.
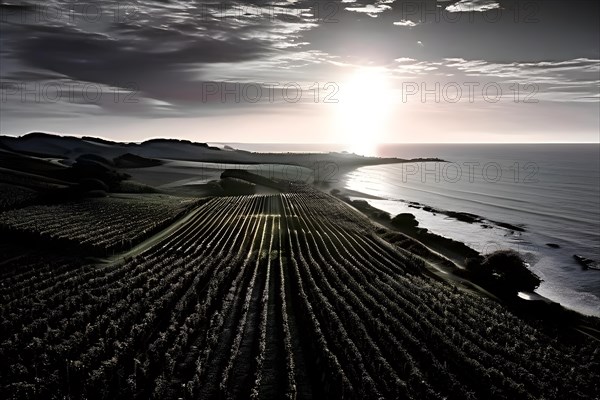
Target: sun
[[364, 108]]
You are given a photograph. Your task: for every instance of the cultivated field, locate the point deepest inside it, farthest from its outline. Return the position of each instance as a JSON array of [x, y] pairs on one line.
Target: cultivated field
[[287, 296], [14, 196], [98, 226]]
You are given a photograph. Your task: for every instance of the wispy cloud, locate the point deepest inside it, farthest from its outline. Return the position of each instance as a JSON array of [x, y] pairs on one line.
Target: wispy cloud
[[473, 6], [373, 10], [406, 22]]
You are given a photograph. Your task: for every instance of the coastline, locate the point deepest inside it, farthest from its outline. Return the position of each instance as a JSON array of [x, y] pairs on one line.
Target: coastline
[[443, 264]]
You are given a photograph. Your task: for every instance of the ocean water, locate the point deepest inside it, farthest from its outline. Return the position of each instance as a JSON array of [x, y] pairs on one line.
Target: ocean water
[[551, 190]]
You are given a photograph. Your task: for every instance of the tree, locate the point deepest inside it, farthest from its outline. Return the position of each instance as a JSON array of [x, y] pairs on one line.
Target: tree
[[505, 270]]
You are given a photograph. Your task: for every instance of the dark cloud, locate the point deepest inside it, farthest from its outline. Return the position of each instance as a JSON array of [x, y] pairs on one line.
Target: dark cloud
[[161, 48]]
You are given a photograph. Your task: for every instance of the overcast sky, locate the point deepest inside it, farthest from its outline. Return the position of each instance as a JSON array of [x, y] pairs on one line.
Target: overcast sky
[[303, 71]]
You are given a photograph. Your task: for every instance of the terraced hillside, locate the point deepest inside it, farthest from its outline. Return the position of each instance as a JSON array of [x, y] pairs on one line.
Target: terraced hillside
[[287, 296]]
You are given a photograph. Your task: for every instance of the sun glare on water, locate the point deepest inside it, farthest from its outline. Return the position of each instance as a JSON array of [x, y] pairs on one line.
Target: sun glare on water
[[364, 108]]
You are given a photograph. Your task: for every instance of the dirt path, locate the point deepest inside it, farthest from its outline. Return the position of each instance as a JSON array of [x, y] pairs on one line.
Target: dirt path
[[152, 240]]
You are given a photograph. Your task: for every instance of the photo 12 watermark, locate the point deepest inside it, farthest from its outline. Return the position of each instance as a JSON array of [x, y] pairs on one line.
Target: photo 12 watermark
[[485, 248], [454, 92], [70, 12], [469, 12], [70, 92], [313, 172], [313, 11], [42, 12], [469, 171], [270, 92]]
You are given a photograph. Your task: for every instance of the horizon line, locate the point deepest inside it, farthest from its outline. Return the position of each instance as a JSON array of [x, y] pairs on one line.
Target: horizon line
[[282, 143]]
